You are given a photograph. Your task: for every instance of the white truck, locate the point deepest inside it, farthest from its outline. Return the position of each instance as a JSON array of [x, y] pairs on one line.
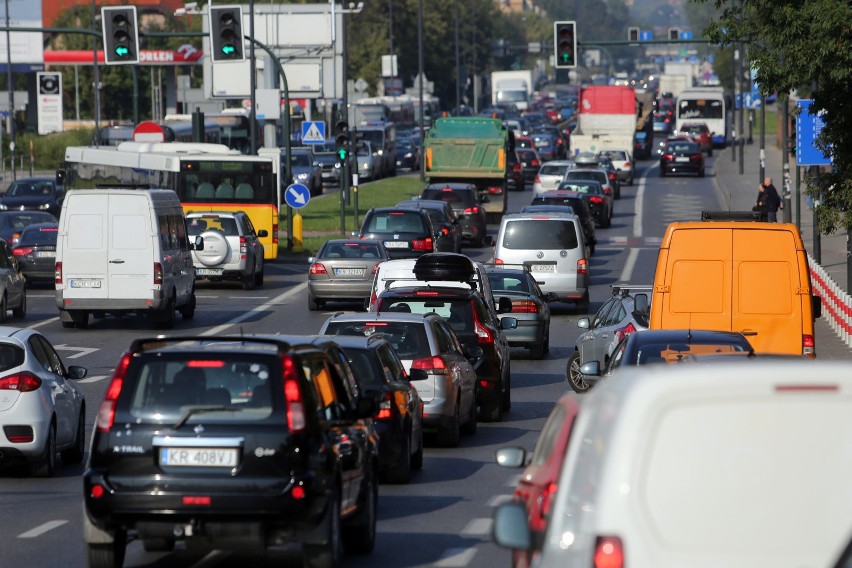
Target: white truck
[[674, 84], [606, 118], [512, 88]]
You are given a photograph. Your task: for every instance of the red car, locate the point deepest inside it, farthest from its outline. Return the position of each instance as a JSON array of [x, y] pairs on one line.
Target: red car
[[699, 132], [537, 485]]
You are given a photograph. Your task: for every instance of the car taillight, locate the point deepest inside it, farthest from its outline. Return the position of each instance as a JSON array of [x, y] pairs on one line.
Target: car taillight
[[808, 346], [608, 552], [373, 297], [471, 210], [625, 331], [57, 273], [537, 179], [667, 156], [524, 307], [612, 176], [626, 165], [106, 413], [292, 396], [422, 244], [384, 411], [21, 382], [498, 261], [547, 497], [596, 199], [158, 273], [445, 231], [275, 233], [434, 365], [243, 247], [582, 266], [516, 168], [375, 270], [318, 268], [483, 334], [495, 190], [22, 251], [696, 157], [15, 238]]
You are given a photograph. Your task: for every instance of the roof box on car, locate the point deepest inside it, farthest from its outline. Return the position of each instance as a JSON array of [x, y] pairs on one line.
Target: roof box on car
[[444, 266]]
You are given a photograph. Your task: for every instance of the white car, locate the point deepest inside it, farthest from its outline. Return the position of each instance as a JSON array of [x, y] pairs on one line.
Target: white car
[[232, 249], [369, 162], [623, 162], [550, 175], [42, 411]]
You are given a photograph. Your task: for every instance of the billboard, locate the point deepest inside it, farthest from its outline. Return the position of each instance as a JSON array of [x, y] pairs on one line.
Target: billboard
[[25, 48]]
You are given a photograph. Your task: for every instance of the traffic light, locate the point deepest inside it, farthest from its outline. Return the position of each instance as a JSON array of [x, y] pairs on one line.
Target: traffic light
[[226, 33], [566, 44], [341, 142], [632, 34], [121, 35], [674, 33]]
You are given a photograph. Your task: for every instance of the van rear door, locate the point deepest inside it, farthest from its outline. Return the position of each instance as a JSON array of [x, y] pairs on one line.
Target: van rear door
[[767, 305], [130, 263], [84, 246]]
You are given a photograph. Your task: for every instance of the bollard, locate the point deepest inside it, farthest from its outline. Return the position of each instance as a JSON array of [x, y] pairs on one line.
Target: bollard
[[298, 243]]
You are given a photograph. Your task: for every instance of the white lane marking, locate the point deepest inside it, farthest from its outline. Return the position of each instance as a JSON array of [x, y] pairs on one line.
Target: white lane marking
[[627, 271], [498, 500], [41, 529], [205, 296], [41, 323], [81, 350], [478, 527], [93, 379], [638, 205], [456, 557], [265, 306]]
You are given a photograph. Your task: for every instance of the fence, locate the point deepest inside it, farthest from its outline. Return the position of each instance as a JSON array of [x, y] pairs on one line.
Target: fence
[[836, 304]]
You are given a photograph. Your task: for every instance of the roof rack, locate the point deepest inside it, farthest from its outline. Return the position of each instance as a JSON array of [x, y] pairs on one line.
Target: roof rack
[[732, 216], [625, 289], [516, 265]]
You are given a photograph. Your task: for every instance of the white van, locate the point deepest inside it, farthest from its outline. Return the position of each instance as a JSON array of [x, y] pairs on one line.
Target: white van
[[727, 463], [121, 251]]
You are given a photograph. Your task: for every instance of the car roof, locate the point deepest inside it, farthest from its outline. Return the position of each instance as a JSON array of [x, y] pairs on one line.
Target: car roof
[[558, 193], [352, 241], [383, 316], [538, 216], [684, 335], [447, 291], [424, 203], [214, 213]]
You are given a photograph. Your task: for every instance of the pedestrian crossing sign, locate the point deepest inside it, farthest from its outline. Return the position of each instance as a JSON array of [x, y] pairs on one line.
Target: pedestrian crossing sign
[[313, 132]]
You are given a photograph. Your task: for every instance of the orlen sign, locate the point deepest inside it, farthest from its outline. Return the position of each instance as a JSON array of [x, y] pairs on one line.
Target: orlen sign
[[184, 55]]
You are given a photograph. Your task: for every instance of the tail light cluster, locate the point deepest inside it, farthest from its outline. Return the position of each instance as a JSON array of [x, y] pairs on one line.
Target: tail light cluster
[[318, 268], [57, 273], [243, 247], [422, 244], [21, 382], [445, 231], [106, 413], [434, 365], [668, 157], [582, 266], [624, 331], [696, 157], [275, 233], [495, 190], [22, 251], [537, 179], [596, 199], [384, 412], [808, 346], [483, 334], [293, 395], [471, 210], [609, 552], [158, 273]]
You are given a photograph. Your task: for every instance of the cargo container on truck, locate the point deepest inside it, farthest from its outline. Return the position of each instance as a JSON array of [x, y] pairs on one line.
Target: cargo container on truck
[[606, 118], [512, 88], [674, 84], [469, 149]]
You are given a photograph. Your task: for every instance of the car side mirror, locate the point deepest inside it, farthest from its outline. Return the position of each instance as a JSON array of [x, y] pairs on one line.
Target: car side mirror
[[640, 303], [418, 375], [508, 322], [583, 323], [198, 244], [354, 234], [591, 369], [488, 241], [76, 372], [511, 528], [504, 305], [514, 456], [262, 233]]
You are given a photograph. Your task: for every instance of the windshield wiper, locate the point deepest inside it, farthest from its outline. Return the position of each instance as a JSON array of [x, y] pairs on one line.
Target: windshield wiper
[[204, 408]]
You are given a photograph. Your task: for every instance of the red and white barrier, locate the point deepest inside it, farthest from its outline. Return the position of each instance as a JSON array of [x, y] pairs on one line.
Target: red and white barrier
[[836, 304]]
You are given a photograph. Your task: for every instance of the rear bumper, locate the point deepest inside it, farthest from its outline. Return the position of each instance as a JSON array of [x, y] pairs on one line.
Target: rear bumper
[[156, 302], [336, 291], [528, 332]]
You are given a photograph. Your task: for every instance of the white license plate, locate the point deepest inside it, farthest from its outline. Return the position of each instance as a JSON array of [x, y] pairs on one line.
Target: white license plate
[[396, 244], [46, 254], [349, 271], [77, 283], [208, 271], [198, 457], [682, 159], [543, 268]]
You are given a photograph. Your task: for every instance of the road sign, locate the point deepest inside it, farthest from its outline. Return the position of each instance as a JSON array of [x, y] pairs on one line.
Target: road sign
[[148, 131], [297, 195], [49, 102], [313, 132], [646, 36], [808, 127]]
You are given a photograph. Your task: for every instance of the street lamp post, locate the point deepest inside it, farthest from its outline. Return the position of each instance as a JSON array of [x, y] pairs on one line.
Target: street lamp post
[[11, 88]]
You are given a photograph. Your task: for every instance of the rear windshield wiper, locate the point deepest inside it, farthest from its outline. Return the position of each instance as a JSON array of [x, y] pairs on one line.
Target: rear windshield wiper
[[199, 409]]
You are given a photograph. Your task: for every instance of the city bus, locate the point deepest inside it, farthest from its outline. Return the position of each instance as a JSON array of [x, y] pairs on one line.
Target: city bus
[[206, 177], [174, 130], [708, 105]]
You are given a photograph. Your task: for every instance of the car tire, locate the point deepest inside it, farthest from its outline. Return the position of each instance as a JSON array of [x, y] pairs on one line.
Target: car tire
[[75, 454], [417, 456], [313, 303], [46, 465], [547, 340], [710, 153], [249, 281], [470, 425], [506, 397], [575, 378], [328, 554], [662, 172], [536, 350], [187, 311], [80, 318], [109, 555], [160, 544], [607, 222], [401, 472], [21, 310], [359, 535], [448, 436], [166, 316], [583, 304], [4, 308], [258, 277]]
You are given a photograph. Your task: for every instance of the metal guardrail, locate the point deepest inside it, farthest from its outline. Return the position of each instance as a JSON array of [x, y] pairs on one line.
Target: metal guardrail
[[836, 304]]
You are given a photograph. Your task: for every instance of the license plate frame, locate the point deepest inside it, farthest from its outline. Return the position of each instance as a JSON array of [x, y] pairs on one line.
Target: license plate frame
[[46, 254], [208, 272], [682, 159], [349, 271], [543, 268], [84, 283], [396, 244], [177, 456]]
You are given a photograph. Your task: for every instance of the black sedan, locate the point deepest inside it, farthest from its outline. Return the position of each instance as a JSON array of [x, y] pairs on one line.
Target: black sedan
[[466, 202], [407, 155], [530, 164], [33, 194], [600, 204], [670, 346], [13, 222], [406, 233], [682, 156], [36, 252]]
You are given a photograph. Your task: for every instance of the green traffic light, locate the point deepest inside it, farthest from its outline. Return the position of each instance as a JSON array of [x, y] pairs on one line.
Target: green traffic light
[[342, 154], [122, 51], [229, 49]]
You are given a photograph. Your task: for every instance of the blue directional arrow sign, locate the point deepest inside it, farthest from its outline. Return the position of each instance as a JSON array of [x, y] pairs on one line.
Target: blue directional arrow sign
[[297, 195]]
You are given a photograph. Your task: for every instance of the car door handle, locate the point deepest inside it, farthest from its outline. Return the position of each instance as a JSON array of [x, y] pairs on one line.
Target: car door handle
[[116, 261]]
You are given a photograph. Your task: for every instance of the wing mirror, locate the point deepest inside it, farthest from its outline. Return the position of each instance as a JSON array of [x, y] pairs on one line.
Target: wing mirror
[[198, 244]]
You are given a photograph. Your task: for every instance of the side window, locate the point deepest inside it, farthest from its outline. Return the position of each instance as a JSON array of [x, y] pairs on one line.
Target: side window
[[600, 317], [52, 356], [346, 379], [616, 314], [163, 222], [249, 226], [392, 366], [174, 242], [40, 353], [483, 314], [320, 375], [445, 345], [181, 232]]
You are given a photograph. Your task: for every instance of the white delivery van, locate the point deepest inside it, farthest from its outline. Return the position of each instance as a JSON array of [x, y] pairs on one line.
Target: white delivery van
[[733, 464], [121, 251]]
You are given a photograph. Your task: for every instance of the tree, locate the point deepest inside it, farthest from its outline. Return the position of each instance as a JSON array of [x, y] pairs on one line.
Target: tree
[[803, 46]]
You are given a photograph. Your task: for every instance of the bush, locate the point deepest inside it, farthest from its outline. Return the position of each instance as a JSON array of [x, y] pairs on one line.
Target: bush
[[48, 151]]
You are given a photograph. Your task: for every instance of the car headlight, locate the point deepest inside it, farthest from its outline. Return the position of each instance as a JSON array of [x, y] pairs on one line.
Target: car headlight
[[380, 152], [302, 176], [365, 166], [44, 206], [3, 207], [409, 155]]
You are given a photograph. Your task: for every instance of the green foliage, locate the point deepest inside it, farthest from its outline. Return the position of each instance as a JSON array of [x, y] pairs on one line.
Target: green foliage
[[803, 46], [49, 150]]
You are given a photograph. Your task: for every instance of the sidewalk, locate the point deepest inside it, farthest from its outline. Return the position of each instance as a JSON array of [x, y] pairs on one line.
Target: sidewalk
[[738, 193]]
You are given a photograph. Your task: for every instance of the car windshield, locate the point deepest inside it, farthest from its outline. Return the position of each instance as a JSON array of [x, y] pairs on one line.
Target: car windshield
[[580, 187], [678, 352], [30, 189], [350, 250], [395, 222], [683, 147], [39, 235], [540, 234], [616, 154], [587, 174], [552, 170], [466, 198], [224, 225], [300, 161], [408, 338], [457, 312]]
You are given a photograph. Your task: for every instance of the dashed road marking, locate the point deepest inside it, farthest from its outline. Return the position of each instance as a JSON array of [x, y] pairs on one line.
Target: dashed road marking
[[627, 271], [41, 529], [478, 527], [41, 323], [498, 500], [265, 306], [456, 557], [93, 379]]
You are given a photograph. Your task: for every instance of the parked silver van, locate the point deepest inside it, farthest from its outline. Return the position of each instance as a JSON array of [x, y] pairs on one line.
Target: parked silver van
[[123, 251], [553, 247]]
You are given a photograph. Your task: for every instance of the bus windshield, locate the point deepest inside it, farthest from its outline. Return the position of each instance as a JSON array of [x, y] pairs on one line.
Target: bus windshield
[[700, 108]]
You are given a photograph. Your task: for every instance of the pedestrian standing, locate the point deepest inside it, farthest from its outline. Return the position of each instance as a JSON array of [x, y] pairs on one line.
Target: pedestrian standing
[[771, 201]]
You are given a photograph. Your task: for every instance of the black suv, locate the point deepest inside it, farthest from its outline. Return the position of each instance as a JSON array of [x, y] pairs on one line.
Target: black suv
[[466, 202], [475, 324], [232, 442], [406, 233]]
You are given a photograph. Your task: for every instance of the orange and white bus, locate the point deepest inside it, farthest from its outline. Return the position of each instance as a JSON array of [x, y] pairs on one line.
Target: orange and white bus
[[206, 177]]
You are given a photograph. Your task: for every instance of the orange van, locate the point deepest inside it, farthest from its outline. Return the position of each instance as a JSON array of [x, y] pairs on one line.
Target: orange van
[[750, 277]]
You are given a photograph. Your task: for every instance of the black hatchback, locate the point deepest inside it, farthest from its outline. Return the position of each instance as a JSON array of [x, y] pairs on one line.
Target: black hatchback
[[232, 442], [36, 252], [406, 233]]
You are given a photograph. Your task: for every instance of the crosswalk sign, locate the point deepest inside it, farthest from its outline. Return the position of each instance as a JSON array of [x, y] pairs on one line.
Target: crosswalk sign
[[313, 132]]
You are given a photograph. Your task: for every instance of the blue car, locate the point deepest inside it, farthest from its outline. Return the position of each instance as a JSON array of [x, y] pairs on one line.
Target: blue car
[[34, 194]]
